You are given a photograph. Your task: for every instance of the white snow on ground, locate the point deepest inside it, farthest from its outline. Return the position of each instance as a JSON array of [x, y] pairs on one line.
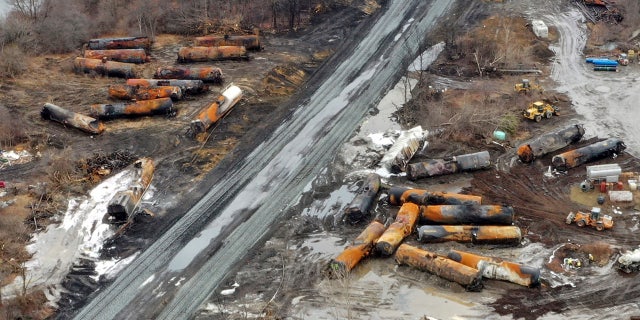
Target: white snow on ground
[[80, 234]]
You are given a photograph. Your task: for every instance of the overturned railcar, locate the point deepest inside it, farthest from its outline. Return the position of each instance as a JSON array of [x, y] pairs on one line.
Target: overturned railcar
[[468, 277], [216, 110], [120, 43], [206, 74], [203, 54], [437, 167], [162, 106], [467, 214], [400, 195], [120, 55], [85, 123], [127, 92], [550, 142], [105, 68], [508, 235], [403, 226], [250, 42], [498, 269], [364, 201], [592, 152], [357, 250], [187, 86]]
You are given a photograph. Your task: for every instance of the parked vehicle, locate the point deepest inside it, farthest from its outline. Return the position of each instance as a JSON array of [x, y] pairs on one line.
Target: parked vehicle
[[592, 218], [539, 109]]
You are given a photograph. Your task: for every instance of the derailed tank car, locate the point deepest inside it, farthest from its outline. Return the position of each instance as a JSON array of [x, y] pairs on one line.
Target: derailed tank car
[[592, 152]]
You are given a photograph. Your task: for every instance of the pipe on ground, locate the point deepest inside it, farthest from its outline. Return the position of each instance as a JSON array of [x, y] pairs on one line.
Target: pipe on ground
[[468, 277]]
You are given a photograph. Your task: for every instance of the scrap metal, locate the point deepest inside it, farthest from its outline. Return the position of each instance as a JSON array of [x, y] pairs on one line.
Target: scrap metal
[[203, 54], [127, 92], [400, 195], [592, 152], [402, 227], [357, 250], [550, 142], [359, 208], [216, 110], [405, 147], [105, 67], [206, 74], [460, 163], [162, 106], [474, 234], [120, 43], [494, 268], [121, 55], [424, 260], [187, 86], [467, 214], [251, 42], [124, 203], [85, 123]]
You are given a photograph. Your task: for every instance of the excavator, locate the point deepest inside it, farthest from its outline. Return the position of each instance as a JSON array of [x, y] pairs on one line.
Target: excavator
[[592, 218]]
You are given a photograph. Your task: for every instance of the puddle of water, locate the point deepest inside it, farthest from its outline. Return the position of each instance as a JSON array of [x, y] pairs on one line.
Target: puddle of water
[[333, 205]]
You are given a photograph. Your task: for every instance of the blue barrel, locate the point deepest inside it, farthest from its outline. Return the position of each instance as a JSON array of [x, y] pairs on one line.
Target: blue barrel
[[605, 63]]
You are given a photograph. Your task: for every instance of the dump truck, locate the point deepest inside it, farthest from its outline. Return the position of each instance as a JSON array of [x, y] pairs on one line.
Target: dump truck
[[593, 218], [525, 86], [539, 109]]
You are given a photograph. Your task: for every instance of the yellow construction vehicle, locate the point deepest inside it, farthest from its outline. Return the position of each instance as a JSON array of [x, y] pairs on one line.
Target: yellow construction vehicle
[[525, 86], [539, 109], [592, 218]]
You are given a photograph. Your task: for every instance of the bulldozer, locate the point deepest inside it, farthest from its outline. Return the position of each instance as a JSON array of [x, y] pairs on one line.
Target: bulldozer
[[539, 109], [525, 86], [592, 218]]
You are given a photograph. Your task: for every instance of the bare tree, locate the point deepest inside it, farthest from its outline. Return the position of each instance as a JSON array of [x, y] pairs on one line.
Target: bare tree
[[28, 8]]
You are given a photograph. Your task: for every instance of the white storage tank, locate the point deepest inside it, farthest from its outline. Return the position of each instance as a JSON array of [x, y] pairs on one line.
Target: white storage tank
[[540, 29]]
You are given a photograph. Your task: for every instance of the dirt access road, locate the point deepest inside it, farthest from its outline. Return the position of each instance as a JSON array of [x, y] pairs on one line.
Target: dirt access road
[[180, 271]]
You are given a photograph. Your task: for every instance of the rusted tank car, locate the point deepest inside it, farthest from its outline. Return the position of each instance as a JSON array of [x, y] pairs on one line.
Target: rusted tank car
[[187, 86], [85, 123], [120, 43], [250, 42], [474, 234], [203, 54], [359, 208], [105, 68], [124, 203], [467, 214], [592, 152], [550, 142], [162, 106], [402, 227], [437, 167], [400, 195], [121, 55], [357, 250], [494, 268], [468, 277], [206, 74], [127, 92], [216, 110]]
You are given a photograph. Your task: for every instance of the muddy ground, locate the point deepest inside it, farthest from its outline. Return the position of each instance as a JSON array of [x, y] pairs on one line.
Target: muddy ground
[[284, 279]]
